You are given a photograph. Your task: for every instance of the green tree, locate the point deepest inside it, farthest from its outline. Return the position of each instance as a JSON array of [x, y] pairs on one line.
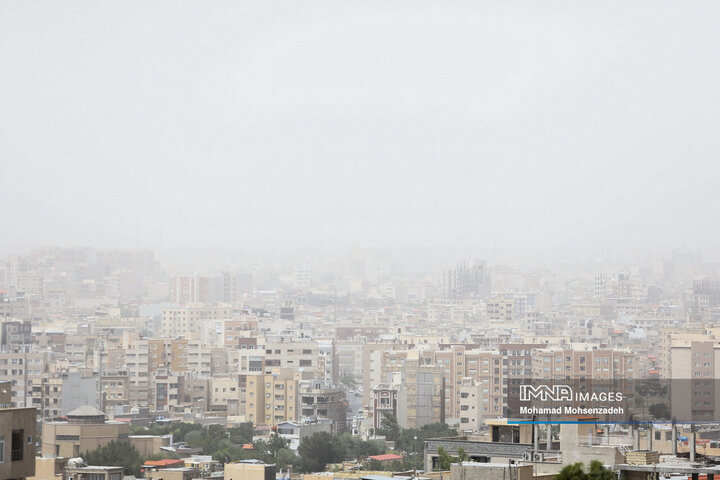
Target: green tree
[[116, 454], [357, 449], [572, 472], [445, 459], [286, 458], [462, 455], [389, 427], [178, 430], [413, 439], [270, 447], [317, 450], [576, 471], [241, 434], [599, 472]]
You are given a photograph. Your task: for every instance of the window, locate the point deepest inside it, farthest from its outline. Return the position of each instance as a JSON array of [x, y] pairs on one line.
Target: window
[[2, 448], [16, 452]]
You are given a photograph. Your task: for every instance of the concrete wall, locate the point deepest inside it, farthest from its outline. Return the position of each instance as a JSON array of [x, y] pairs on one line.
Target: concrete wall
[[23, 421], [490, 471], [572, 452]]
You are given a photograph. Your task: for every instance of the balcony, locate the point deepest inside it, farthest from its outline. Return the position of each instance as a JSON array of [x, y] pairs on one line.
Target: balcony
[[16, 455]]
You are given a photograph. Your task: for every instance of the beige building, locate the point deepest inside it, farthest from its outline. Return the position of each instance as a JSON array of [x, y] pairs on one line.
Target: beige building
[[49, 468], [249, 470], [85, 430], [115, 391], [271, 398], [293, 354], [225, 394]]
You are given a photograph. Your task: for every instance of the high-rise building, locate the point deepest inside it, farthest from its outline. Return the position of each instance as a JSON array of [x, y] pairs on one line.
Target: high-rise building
[[467, 280]]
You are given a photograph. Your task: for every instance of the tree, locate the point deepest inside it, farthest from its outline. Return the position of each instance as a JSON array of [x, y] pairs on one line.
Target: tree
[[576, 471], [389, 427], [286, 458], [462, 455], [116, 454], [241, 434], [599, 472], [413, 439], [317, 450], [445, 459], [270, 447], [179, 430], [358, 449], [660, 411]]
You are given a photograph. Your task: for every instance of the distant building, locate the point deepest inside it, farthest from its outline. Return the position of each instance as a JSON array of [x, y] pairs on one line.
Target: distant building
[[467, 280], [295, 432], [15, 334]]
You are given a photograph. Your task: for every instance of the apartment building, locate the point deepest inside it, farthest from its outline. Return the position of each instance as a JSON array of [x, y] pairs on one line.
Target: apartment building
[[376, 364], [164, 391], [115, 391], [271, 398], [181, 321], [15, 334], [667, 337], [23, 369], [500, 308], [469, 405], [349, 358], [598, 364], [695, 366], [467, 279], [318, 399], [136, 363], [195, 288], [239, 331], [421, 399], [296, 354], [225, 394]]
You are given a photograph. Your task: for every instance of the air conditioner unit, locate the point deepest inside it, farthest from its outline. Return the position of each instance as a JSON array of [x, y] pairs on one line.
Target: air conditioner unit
[[528, 456], [538, 457]]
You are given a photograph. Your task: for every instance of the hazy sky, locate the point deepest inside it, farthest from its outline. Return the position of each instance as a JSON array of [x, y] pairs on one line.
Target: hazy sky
[[523, 127]]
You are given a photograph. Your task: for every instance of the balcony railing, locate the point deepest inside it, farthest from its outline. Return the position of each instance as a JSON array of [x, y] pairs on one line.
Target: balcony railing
[[16, 455], [610, 440]]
